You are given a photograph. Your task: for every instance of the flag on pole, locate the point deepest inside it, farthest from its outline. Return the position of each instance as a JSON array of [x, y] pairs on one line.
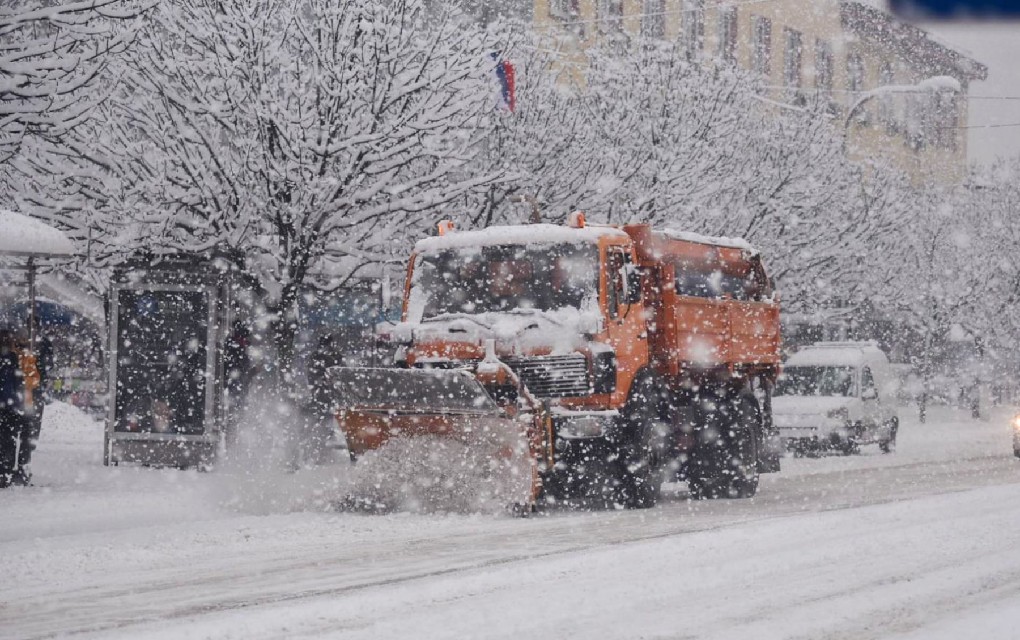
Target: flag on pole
[[507, 83]]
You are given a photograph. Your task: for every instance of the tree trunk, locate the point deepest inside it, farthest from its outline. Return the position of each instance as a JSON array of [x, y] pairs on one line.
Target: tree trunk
[[926, 377], [284, 333]]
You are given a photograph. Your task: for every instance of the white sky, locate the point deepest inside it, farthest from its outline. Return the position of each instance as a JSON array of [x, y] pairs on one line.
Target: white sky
[[997, 45]]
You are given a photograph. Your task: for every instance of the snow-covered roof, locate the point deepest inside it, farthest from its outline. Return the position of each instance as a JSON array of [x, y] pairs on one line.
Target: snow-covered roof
[[826, 357], [24, 236], [838, 354], [907, 40], [718, 241], [525, 234]]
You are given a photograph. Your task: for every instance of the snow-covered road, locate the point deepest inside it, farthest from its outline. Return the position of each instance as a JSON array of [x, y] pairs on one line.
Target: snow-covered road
[[924, 543]]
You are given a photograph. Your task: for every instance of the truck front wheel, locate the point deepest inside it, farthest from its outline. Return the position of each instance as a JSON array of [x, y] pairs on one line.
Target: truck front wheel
[[725, 462], [643, 447]]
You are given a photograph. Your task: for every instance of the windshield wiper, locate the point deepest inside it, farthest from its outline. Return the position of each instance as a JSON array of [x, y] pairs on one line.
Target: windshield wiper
[[456, 316], [534, 312]]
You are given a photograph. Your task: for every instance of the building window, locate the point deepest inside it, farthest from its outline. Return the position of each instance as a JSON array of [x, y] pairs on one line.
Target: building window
[[611, 16], [653, 22], [565, 9], [761, 46], [570, 12], [792, 64], [693, 21], [728, 35], [886, 101], [823, 72], [855, 85], [945, 117], [914, 132]]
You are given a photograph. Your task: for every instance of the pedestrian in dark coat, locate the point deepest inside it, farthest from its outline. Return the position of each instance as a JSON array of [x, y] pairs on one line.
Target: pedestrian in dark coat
[[43, 352], [12, 393]]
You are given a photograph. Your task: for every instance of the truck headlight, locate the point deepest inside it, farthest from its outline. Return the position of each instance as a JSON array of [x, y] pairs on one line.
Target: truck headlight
[[582, 425], [1016, 423]]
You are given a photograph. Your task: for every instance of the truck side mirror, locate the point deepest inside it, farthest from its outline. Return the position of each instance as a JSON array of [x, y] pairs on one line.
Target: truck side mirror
[[632, 277]]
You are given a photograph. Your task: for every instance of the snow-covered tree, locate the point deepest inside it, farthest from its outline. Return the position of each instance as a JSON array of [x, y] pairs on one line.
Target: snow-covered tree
[[51, 57], [941, 279], [313, 136]]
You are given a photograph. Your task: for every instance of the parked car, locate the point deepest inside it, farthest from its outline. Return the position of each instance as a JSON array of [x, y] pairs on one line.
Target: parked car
[[836, 396], [1016, 435]]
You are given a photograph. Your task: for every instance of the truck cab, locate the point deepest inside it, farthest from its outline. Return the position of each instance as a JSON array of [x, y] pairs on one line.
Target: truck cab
[[561, 303]]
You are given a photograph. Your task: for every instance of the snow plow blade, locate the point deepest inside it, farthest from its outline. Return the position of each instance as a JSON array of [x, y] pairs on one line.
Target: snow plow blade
[[437, 419]]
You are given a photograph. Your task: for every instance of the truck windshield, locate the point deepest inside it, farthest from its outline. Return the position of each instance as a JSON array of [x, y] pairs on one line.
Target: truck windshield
[[816, 381], [476, 280]]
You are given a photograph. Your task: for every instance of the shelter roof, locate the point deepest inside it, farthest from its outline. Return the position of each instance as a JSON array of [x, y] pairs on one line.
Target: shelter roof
[[21, 235]]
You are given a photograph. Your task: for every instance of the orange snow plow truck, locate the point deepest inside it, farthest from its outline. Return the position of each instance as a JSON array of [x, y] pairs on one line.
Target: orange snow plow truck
[[612, 358]]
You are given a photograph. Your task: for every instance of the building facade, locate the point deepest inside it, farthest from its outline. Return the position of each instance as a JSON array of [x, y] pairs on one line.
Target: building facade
[[897, 92]]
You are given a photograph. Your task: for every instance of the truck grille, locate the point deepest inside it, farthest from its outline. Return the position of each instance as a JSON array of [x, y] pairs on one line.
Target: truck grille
[[553, 376]]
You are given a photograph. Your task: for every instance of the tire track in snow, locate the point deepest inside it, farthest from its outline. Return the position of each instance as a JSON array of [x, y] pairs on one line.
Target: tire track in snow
[[233, 585]]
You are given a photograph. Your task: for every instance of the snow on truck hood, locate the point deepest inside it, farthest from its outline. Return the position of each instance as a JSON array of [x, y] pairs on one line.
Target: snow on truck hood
[[800, 405], [524, 234], [560, 330]]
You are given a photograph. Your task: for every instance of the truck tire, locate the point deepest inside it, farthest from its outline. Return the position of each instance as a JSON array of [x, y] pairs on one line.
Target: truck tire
[[725, 462], [643, 445]]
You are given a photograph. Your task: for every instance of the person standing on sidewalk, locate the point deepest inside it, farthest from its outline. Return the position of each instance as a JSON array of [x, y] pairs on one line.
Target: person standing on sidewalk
[[41, 358], [12, 418]]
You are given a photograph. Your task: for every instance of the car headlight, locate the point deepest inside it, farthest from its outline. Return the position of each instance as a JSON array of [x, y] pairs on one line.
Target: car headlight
[[1016, 423], [839, 414]]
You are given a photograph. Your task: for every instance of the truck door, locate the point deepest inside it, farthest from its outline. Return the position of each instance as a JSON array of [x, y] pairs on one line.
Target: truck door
[[626, 326]]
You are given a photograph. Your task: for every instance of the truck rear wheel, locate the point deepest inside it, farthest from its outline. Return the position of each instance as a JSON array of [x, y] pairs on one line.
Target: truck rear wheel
[[725, 462]]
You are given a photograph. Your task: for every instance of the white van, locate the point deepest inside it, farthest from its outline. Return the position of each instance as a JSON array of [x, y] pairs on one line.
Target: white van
[[836, 395]]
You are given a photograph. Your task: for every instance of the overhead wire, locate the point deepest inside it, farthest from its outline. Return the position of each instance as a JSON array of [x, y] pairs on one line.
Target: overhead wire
[[560, 23]]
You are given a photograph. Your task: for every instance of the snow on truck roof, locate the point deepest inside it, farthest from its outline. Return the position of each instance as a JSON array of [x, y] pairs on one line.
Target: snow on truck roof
[[24, 236], [524, 234], [718, 241]]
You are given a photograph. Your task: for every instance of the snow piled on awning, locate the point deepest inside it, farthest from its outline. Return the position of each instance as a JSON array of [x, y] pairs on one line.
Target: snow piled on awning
[[24, 236]]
